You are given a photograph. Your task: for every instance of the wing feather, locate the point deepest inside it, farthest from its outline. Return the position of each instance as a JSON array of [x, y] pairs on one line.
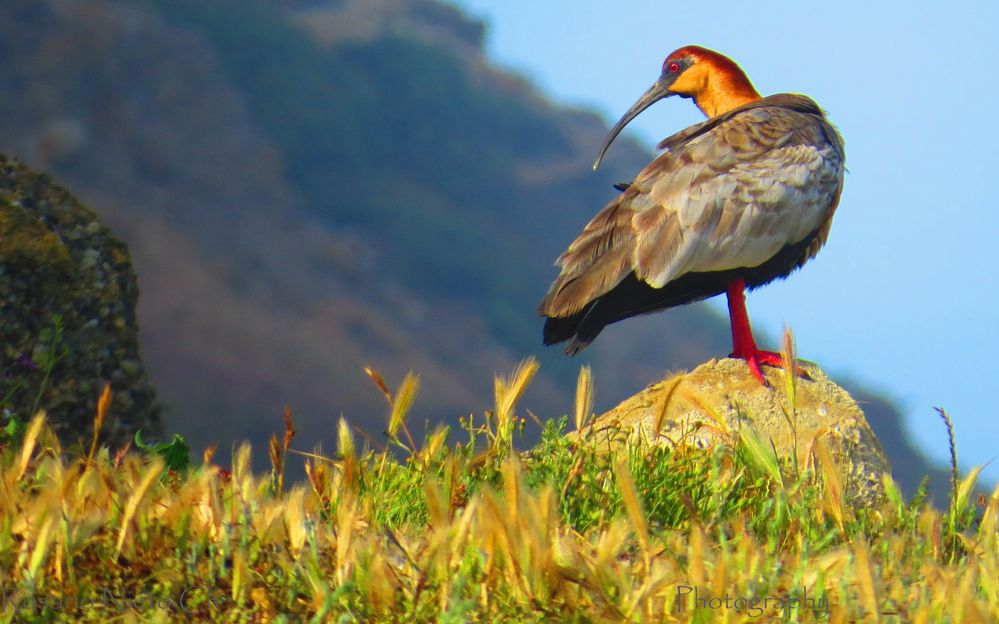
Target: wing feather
[[595, 262]]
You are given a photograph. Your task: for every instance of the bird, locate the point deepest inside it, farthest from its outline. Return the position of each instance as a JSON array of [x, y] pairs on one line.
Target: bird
[[732, 203]]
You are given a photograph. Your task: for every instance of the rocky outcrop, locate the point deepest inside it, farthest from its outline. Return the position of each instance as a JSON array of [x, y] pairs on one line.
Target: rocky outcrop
[[67, 313], [711, 404]]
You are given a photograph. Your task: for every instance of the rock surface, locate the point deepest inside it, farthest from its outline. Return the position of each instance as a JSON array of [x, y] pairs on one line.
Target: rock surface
[[67, 314], [709, 405]]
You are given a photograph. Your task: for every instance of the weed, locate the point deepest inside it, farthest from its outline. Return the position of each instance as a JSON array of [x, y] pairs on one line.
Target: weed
[[573, 530]]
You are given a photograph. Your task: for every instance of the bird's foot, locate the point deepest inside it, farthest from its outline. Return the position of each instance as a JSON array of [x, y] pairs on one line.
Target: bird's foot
[[757, 357]]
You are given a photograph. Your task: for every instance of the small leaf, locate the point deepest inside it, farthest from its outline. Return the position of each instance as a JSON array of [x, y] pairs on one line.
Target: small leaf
[[761, 456]]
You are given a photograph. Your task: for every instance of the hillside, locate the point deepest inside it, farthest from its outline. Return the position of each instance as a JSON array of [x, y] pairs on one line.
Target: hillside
[[594, 526], [311, 187]]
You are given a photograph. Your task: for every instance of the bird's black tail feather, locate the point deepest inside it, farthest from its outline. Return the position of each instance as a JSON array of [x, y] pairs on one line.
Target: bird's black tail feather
[[632, 296]]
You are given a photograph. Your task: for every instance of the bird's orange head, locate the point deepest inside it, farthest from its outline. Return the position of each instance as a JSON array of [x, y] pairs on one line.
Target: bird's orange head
[[713, 80]]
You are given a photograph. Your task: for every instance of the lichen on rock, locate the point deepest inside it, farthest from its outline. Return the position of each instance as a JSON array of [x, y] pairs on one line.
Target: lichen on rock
[[67, 313]]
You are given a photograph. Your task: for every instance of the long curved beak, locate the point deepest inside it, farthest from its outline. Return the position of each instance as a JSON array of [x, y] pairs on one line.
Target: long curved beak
[[655, 93]]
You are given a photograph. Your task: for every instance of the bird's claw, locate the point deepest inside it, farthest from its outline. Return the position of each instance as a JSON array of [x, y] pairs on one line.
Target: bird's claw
[[757, 358]]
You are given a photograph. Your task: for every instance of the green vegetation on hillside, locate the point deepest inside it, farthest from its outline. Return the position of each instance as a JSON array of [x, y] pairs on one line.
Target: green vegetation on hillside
[[470, 530], [401, 139]]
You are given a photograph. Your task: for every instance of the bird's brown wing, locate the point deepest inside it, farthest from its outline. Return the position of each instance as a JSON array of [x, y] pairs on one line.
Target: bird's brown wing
[[730, 192]]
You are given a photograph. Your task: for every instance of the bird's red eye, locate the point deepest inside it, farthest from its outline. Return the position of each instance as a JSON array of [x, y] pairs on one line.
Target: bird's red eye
[[673, 67]]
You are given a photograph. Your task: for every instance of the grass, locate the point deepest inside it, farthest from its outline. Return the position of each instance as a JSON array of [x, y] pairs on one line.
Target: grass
[[462, 527]]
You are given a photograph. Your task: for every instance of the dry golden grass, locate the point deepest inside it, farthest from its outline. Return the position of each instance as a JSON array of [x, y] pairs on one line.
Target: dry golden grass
[[476, 532]]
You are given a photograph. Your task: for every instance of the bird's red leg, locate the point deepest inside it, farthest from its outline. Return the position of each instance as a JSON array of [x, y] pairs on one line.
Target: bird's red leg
[[743, 344]]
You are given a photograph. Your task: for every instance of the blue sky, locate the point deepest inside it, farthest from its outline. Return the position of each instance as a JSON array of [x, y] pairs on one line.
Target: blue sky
[[903, 296]]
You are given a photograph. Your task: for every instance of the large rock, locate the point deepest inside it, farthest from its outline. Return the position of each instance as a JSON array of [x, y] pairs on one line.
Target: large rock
[[67, 313], [710, 405]]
